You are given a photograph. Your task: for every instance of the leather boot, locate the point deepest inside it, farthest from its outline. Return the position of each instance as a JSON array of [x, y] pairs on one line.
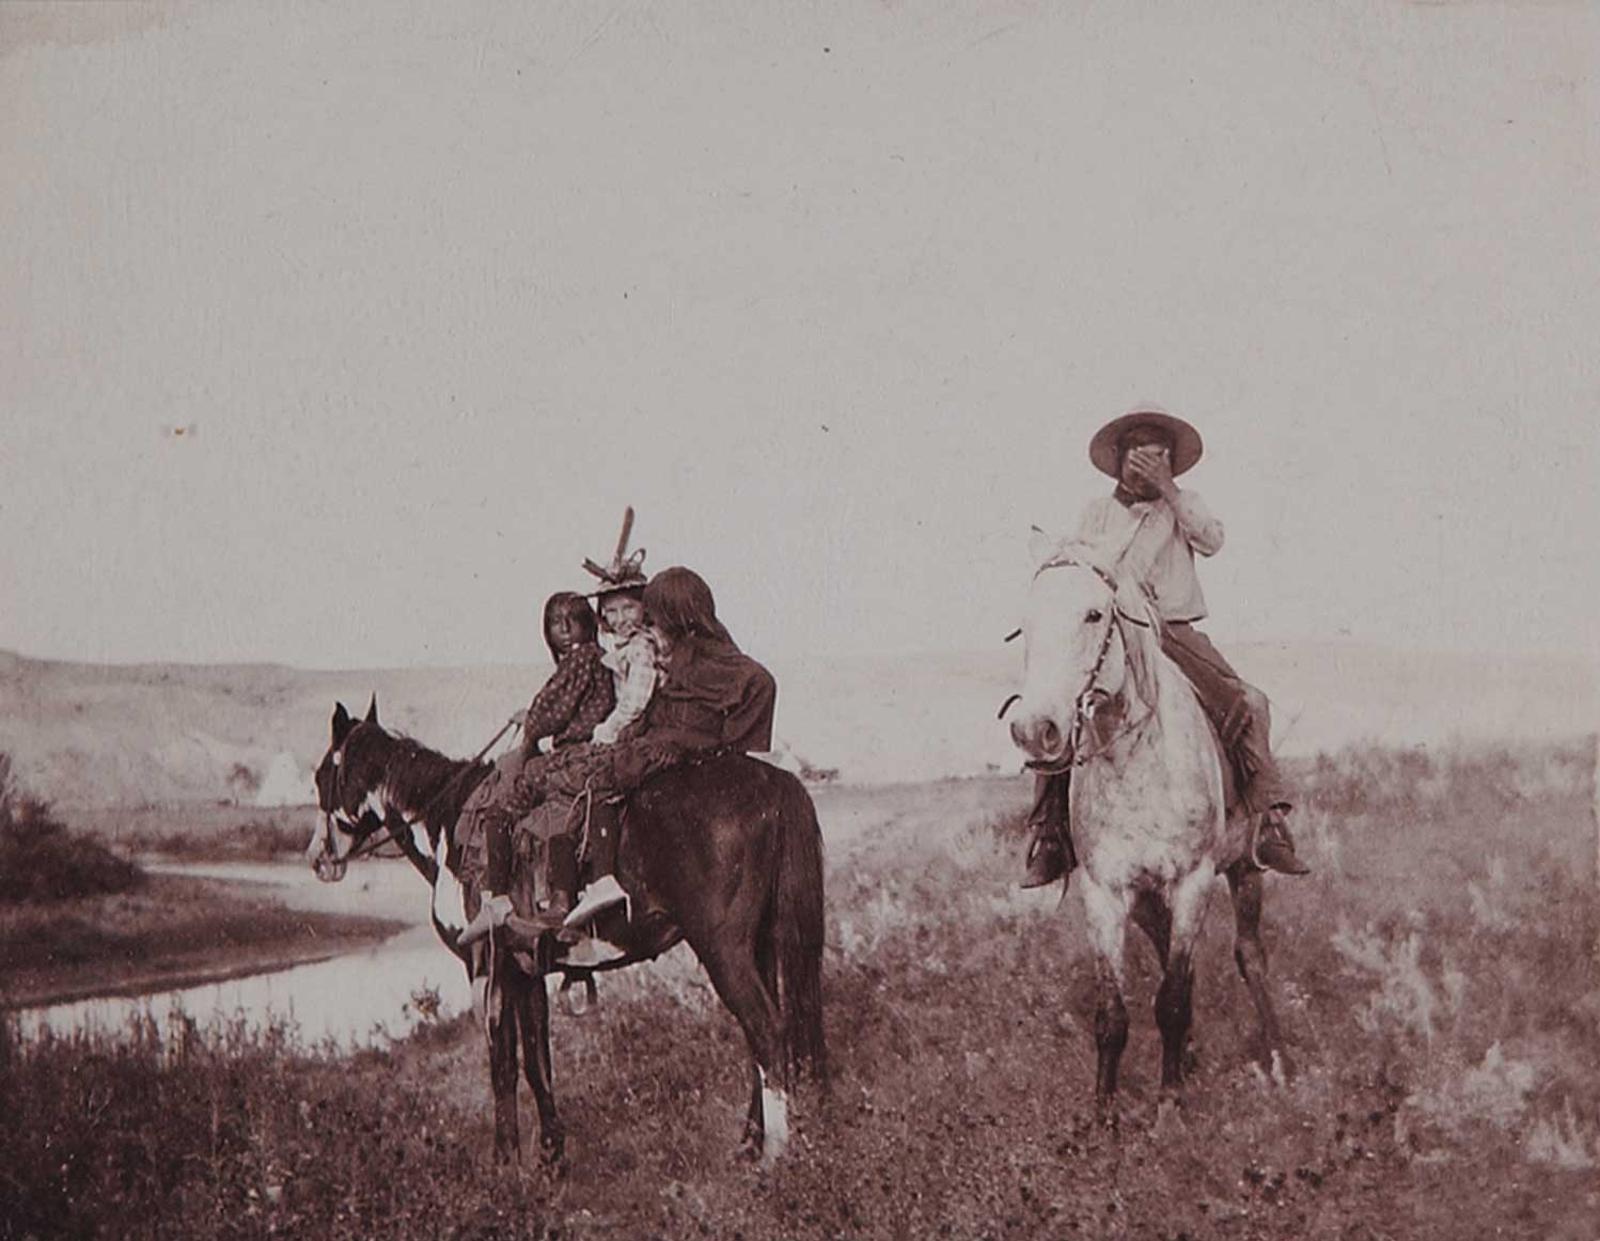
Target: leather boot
[[1048, 860], [603, 892], [561, 868], [493, 912], [1274, 846]]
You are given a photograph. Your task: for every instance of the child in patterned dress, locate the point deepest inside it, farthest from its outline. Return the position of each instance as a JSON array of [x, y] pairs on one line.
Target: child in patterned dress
[[577, 698]]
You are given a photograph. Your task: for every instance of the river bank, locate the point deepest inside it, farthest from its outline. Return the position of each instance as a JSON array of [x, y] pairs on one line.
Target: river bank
[[178, 929], [203, 916]]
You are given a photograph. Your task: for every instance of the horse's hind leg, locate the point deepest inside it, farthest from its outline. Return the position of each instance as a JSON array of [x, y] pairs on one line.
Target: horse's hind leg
[[1175, 999], [533, 1018], [738, 981], [767, 967], [1107, 917], [1245, 886]]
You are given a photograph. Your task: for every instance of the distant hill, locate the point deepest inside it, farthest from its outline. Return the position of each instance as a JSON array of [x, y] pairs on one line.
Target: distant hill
[[92, 735]]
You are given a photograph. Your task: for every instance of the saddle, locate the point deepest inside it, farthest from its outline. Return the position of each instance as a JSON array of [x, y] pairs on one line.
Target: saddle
[[591, 824], [581, 833]]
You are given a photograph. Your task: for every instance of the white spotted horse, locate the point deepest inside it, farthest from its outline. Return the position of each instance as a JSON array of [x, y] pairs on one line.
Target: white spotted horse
[[1147, 800], [723, 853]]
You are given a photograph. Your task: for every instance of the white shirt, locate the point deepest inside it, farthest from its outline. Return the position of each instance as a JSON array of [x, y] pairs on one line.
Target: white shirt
[[1156, 541], [633, 672]]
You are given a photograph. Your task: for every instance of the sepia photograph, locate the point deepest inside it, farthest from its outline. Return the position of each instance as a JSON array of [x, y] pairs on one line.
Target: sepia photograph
[[879, 619]]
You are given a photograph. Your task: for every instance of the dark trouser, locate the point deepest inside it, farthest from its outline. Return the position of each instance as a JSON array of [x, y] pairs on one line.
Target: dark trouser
[[1049, 812], [600, 770], [1240, 712], [483, 832]]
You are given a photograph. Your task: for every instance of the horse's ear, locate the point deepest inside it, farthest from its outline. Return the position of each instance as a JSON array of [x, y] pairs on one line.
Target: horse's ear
[[342, 723], [372, 709], [1041, 545]]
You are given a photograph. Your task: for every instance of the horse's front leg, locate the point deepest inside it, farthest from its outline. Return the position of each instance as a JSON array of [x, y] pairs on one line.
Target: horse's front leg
[[503, 1066], [1245, 885], [1175, 999], [533, 1009], [1107, 914]]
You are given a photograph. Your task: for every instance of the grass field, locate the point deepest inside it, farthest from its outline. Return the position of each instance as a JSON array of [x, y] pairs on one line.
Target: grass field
[[1436, 974]]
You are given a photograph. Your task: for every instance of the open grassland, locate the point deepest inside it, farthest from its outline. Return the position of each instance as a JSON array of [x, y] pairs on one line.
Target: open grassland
[[1436, 975]]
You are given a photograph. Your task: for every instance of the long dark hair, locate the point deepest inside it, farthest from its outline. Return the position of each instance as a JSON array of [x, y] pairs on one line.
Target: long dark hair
[[577, 610], [680, 604]]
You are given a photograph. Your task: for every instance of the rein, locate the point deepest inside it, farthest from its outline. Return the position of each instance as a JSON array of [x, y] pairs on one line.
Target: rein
[[369, 844], [1078, 756]]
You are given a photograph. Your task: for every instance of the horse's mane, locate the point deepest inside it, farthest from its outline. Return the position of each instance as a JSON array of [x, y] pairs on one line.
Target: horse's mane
[[418, 774]]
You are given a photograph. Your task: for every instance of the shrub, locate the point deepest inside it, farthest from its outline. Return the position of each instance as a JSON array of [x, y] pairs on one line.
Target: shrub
[[40, 859]]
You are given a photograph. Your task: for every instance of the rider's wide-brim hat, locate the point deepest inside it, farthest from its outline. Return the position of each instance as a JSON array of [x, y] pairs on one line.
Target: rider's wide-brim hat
[[1105, 449]]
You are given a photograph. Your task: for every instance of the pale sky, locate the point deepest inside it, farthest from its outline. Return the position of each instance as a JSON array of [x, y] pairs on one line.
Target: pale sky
[[834, 294]]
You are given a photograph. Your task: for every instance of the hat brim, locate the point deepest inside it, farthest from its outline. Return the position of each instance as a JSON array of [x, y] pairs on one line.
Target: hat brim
[[1105, 449], [616, 588]]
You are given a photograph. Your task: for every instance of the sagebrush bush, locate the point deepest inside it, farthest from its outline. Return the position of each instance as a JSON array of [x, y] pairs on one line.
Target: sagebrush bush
[[41, 859]]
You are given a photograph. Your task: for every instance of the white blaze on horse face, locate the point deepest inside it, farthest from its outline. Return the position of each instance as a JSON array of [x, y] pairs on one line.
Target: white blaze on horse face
[[340, 842], [449, 897], [319, 834], [774, 1120], [1069, 608]]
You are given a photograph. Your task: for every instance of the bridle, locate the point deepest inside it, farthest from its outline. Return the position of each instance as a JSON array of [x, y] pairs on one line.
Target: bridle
[[1076, 754], [370, 832], [382, 831]]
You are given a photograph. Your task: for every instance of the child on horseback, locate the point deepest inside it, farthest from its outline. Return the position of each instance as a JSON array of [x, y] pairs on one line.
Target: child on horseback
[[632, 655], [627, 657], [710, 696], [576, 699], [1152, 529]]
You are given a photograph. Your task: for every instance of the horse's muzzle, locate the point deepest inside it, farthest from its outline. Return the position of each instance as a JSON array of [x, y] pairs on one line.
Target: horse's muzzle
[[328, 868], [1040, 738]]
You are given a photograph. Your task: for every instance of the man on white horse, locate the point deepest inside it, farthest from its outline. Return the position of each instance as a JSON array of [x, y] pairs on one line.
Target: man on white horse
[[1150, 529]]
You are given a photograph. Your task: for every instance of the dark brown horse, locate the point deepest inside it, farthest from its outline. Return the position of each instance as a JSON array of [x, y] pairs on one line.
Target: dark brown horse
[[724, 853]]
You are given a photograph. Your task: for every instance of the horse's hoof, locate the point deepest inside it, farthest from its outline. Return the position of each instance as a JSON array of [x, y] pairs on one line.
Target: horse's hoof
[[579, 996], [1279, 1067], [552, 1155], [1169, 1116]]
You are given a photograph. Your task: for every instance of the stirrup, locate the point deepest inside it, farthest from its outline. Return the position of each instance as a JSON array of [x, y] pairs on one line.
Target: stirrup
[[601, 894]]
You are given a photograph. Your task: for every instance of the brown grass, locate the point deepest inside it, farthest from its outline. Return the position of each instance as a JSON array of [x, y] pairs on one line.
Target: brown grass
[[1436, 976]]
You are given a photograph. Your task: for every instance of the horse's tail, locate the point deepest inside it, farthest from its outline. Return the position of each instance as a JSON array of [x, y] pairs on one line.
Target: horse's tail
[[797, 927]]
